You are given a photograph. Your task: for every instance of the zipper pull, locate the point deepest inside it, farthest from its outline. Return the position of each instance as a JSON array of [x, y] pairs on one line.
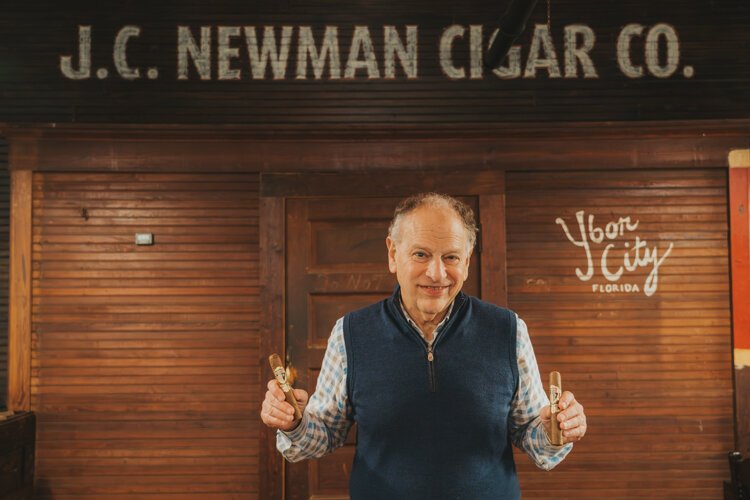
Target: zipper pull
[[430, 357]]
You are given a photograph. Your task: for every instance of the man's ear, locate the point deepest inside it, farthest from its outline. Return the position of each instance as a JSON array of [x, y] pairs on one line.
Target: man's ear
[[466, 265], [391, 254]]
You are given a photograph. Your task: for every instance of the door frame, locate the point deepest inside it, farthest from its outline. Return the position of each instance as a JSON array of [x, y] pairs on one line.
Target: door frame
[[276, 189]]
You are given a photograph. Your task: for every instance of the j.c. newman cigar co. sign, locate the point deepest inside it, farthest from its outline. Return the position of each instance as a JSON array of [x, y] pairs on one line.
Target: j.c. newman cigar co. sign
[[271, 52]]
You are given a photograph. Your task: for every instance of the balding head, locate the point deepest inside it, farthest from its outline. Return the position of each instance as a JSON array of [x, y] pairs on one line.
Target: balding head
[[436, 200]]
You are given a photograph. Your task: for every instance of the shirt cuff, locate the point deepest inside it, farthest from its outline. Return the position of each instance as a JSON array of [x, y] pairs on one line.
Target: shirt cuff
[[294, 434], [550, 455]]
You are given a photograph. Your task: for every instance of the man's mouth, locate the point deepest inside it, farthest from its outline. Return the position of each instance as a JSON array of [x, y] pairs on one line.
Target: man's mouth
[[434, 288]]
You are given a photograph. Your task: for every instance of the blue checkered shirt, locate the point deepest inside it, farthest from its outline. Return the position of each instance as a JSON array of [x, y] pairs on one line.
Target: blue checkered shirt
[[324, 424]]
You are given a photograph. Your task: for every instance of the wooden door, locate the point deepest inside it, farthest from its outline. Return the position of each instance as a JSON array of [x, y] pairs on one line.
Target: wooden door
[[336, 262]]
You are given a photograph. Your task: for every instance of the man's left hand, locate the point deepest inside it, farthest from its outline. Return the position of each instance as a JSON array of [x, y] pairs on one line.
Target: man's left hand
[[571, 417]]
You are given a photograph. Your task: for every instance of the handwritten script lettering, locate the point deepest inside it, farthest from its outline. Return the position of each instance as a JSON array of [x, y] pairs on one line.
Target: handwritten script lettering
[[637, 253]]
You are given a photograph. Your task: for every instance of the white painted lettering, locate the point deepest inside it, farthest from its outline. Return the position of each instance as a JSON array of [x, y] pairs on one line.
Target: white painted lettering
[[623, 51], [393, 47], [475, 51], [615, 288], [634, 257], [652, 50], [583, 243], [595, 233], [612, 230], [259, 59], [637, 245], [652, 281], [329, 50], [120, 49], [575, 54], [84, 57], [225, 53], [361, 41], [201, 56], [542, 42], [605, 270], [446, 52]]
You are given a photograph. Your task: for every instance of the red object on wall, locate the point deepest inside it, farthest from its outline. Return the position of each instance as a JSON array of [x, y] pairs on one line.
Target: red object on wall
[[739, 188]]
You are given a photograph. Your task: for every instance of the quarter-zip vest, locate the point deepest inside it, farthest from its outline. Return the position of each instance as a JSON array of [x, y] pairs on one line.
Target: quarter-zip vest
[[432, 423]]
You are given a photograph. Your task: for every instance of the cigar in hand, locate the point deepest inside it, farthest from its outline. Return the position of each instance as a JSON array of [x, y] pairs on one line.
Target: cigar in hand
[[279, 372], [555, 391]]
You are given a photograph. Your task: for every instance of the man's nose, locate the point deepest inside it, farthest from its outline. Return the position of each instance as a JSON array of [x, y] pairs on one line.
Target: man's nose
[[436, 270]]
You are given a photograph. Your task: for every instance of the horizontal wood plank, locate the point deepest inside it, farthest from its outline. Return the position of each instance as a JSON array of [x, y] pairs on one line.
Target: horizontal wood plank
[[634, 361], [145, 359]]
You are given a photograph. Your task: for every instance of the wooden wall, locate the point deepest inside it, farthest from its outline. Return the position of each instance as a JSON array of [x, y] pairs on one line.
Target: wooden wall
[[4, 269], [711, 78], [146, 360], [653, 372], [145, 357]]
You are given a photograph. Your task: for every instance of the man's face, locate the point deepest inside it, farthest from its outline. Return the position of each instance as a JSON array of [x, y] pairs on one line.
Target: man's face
[[430, 258]]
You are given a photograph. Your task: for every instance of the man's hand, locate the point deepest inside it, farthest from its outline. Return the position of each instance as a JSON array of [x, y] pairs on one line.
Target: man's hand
[[276, 412], [571, 417]]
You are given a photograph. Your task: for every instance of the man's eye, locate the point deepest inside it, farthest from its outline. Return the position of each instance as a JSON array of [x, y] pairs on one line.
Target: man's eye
[[420, 255], [452, 258]]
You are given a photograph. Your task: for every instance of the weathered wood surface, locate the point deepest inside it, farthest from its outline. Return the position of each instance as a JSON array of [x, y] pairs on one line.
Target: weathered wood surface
[[653, 372], [4, 269], [19, 318], [586, 146], [145, 358]]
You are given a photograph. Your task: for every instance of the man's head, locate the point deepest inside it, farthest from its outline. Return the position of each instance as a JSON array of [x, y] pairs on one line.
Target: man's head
[[430, 242]]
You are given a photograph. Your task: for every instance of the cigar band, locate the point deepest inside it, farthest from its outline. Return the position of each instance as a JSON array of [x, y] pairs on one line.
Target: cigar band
[[554, 397], [280, 375]]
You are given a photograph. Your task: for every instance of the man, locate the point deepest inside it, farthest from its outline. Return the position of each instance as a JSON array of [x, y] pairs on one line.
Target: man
[[438, 382]]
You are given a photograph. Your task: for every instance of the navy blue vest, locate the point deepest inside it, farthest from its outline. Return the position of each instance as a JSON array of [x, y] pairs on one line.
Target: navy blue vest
[[432, 429]]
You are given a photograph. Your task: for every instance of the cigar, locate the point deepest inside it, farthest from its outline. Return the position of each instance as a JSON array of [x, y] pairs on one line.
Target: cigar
[[280, 373], [555, 391]]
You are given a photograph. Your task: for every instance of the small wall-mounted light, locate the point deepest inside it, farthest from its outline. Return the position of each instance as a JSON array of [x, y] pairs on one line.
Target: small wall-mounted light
[[144, 238]]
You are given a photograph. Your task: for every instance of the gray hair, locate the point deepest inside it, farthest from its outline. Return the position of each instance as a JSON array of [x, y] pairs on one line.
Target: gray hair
[[464, 212]]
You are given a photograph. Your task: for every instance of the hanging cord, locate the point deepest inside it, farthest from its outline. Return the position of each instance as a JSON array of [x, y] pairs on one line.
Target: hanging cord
[[510, 27]]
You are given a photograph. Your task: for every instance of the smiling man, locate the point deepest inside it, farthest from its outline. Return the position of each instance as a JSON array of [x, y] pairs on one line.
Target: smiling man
[[439, 383], [429, 251]]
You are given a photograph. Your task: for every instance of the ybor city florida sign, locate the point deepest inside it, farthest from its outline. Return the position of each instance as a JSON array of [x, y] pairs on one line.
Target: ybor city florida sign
[[599, 244], [225, 53]]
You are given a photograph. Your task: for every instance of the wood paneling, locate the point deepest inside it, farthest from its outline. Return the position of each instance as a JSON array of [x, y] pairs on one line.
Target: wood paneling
[[309, 286], [145, 358], [4, 269], [492, 233], [79, 147], [19, 324], [136, 400], [653, 372], [272, 337]]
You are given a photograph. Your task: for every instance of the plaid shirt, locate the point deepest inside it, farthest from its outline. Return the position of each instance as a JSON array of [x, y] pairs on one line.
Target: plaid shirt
[[324, 424]]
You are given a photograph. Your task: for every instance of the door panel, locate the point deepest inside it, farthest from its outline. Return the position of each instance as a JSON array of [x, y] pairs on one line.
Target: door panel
[[336, 262]]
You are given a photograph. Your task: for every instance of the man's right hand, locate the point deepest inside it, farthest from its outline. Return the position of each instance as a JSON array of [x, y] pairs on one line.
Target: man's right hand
[[276, 412]]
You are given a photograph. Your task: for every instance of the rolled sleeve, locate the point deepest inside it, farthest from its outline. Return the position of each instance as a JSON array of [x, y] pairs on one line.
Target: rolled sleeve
[[325, 421], [526, 427]]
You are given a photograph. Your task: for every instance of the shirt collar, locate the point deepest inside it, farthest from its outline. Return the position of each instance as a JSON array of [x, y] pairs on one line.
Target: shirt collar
[[414, 324]]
